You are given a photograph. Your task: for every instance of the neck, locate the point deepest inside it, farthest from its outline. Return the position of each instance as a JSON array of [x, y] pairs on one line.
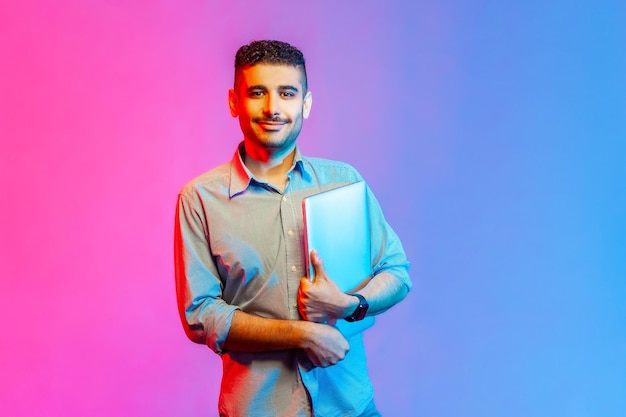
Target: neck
[[270, 167]]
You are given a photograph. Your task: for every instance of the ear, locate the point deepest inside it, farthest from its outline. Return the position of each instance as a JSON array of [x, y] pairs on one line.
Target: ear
[[308, 102], [233, 101]]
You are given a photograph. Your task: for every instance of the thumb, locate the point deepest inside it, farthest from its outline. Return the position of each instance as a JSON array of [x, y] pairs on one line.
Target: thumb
[[318, 266]]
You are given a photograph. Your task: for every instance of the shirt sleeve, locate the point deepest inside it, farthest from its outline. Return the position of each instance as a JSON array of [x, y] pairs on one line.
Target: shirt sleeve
[[205, 316], [386, 249]]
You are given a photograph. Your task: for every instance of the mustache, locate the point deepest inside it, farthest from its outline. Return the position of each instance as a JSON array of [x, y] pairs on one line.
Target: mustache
[[275, 119]]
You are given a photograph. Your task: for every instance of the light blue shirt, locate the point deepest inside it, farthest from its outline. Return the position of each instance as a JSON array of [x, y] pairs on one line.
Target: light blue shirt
[[239, 245]]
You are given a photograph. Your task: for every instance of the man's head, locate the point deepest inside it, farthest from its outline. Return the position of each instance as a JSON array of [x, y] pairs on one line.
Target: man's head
[[272, 53], [270, 96]]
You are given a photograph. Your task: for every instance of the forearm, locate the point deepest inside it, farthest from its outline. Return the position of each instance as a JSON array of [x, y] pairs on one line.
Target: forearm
[[382, 292], [249, 333], [324, 345]]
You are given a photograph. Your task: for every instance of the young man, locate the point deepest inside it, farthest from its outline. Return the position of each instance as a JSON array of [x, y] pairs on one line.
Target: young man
[[240, 258]]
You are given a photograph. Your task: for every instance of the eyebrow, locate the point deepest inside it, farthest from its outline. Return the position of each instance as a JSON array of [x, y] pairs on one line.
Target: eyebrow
[[264, 88], [288, 87]]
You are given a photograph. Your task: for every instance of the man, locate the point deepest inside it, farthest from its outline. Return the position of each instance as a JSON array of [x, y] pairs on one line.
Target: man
[[240, 259]]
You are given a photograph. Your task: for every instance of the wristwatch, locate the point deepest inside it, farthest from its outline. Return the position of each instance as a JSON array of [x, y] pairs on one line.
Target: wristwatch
[[361, 310]]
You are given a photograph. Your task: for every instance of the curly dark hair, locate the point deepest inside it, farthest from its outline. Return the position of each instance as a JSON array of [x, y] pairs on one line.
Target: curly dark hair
[[270, 52]]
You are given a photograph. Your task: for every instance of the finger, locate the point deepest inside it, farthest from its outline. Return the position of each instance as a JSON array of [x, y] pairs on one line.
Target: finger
[[318, 266], [313, 358], [302, 304], [304, 284]]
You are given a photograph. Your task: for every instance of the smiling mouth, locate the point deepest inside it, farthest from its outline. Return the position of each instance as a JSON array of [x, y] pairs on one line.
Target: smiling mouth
[[271, 124]]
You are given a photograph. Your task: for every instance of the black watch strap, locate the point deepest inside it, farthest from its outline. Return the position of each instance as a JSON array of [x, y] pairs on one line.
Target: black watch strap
[[361, 310]]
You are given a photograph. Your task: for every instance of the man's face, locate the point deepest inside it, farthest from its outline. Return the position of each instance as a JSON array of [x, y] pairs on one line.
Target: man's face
[[270, 103]]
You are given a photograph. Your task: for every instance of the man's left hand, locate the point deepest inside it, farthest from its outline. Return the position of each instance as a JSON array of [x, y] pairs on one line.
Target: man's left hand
[[320, 300]]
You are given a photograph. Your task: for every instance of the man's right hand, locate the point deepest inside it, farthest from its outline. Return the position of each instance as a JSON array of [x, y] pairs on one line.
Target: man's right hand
[[325, 345]]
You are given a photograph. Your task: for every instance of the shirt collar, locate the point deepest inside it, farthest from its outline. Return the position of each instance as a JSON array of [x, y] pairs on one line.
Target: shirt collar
[[240, 175]]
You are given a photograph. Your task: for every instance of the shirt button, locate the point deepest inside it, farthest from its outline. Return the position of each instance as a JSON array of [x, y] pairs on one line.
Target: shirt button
[[284, 198], [293, 268], [290, 232]]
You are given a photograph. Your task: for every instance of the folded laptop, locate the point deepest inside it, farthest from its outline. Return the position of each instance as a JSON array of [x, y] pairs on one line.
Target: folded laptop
[[336, 224]]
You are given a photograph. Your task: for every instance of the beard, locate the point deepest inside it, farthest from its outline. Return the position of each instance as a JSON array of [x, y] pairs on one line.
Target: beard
[[283, 139]]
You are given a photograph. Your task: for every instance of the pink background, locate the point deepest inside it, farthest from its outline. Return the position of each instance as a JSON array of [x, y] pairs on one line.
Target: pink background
[[493, 135]]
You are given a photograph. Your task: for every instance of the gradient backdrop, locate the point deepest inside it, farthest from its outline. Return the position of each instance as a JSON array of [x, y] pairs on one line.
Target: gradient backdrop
[[493, 133]]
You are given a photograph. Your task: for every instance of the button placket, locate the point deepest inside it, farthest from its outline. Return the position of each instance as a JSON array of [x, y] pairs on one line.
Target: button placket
[[289, 220]]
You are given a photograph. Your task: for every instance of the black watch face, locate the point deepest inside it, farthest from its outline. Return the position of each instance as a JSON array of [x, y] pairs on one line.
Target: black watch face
[[362, 311]]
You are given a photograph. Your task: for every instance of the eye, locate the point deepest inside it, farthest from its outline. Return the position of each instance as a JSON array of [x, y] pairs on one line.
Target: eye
[[287, 94], [256, 93]]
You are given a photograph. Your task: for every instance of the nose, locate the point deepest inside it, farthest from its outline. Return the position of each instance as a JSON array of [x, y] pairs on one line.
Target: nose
[[271, 105]]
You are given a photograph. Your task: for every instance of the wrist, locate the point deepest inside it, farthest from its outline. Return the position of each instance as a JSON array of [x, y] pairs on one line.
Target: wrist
[[308, 332], [361, 309], [350, 303]]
